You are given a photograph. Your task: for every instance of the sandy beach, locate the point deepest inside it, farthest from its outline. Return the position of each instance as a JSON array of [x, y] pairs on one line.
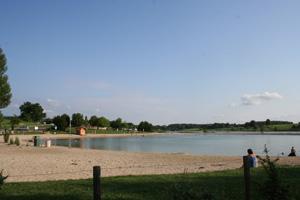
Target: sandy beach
[[28, 163]]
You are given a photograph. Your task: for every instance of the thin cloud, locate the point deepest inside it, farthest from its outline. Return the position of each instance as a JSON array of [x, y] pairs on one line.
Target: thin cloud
[[257, 99], [53, 103]]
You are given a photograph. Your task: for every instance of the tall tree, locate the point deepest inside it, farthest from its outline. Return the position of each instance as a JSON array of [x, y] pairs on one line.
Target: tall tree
[[103, 122], [93, 121], [1, 119], [117, 124], [32, 112], [14, 121], [77, 120], [145, 126], [62, 122], [5, 91]]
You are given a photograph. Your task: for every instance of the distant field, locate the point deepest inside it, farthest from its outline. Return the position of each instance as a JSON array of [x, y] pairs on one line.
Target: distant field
[[278, 127], [226, 185]]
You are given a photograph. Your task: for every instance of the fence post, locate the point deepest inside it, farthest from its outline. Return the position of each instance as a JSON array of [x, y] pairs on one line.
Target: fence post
[[96, 182], [246, 177]]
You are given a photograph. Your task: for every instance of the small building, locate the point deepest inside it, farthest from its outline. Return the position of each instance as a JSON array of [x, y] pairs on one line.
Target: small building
[[81, 131]]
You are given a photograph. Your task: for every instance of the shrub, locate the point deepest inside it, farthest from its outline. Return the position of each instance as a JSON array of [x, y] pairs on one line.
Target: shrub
[[17, 141], [272, 188], [2, 178], [6, 137], [11, 141]]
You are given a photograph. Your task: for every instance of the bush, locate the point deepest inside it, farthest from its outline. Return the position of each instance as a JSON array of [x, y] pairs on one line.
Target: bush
[[2, 178], [273, 188], [11, 141], [6, 137], [17, 141]]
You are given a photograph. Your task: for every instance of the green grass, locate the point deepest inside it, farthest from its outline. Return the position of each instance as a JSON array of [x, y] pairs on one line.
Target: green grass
[[269, 128], [225, 185], [279, 127]]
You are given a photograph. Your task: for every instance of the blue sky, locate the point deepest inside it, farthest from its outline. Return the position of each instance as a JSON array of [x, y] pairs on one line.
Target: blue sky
[[165, 61]]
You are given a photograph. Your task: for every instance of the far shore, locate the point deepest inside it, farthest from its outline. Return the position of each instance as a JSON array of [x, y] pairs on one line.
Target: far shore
[[93, 135], [242, 132]]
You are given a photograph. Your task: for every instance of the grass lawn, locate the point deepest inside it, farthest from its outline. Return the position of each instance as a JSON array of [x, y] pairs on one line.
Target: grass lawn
[[222, 185]]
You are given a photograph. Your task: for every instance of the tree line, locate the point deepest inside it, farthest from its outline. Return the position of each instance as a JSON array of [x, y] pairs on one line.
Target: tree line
[[251, 125], [34, 112]]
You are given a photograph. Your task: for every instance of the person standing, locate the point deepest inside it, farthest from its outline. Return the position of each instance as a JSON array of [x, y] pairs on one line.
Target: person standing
[[252, 158]]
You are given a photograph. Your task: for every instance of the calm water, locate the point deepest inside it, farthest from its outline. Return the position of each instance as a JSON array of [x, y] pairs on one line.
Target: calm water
[[190, 143]]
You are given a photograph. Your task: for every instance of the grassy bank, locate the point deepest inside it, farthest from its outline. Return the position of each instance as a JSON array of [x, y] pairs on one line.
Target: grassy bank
[[222, 185]]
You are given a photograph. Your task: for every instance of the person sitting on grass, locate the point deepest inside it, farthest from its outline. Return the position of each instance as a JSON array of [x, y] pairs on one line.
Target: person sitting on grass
[[293, 152], [252, 158]]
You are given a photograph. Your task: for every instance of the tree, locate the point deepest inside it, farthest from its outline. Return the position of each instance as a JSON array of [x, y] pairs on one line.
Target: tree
[[145, 126], [48, 121], [85, 121], [131, 126], [62, 122], [1, 119], [77, 120], [273, 187], [32, 112], [5, 91], [93, 121], [117, 124], [103, 122], [14, 121], [268, 122]]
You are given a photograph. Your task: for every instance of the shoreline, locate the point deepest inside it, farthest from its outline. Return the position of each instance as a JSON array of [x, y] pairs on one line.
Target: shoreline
[[103, 135], [26, 163]]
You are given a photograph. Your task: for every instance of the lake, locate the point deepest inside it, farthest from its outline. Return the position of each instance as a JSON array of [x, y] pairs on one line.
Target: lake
[[196, 144]]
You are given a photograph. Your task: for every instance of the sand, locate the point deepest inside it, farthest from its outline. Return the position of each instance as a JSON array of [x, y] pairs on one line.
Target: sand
[[28, 163]]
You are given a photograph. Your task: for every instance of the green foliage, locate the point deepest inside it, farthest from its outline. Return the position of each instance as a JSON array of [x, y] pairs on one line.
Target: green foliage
[[145, 126], [1, 119], [6, 137], [11, 141], [262, 126], [117, 124], [77, 120], [93, 121], [32, 112], [2, 178], [61, 122], [14, 121], [5, 90], [131, 126], [103, 122], [273, 187], [48, 120], [17, 141]]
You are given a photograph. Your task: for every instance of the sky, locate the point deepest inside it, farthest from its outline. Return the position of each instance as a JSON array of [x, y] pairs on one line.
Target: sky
[[164, 61]]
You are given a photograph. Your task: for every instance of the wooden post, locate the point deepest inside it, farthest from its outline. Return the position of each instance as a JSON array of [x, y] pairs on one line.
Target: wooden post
[[96, 182], [246, 177]]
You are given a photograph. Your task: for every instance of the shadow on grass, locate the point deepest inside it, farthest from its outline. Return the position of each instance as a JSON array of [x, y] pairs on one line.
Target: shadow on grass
[[39, 197], [226, 185]]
